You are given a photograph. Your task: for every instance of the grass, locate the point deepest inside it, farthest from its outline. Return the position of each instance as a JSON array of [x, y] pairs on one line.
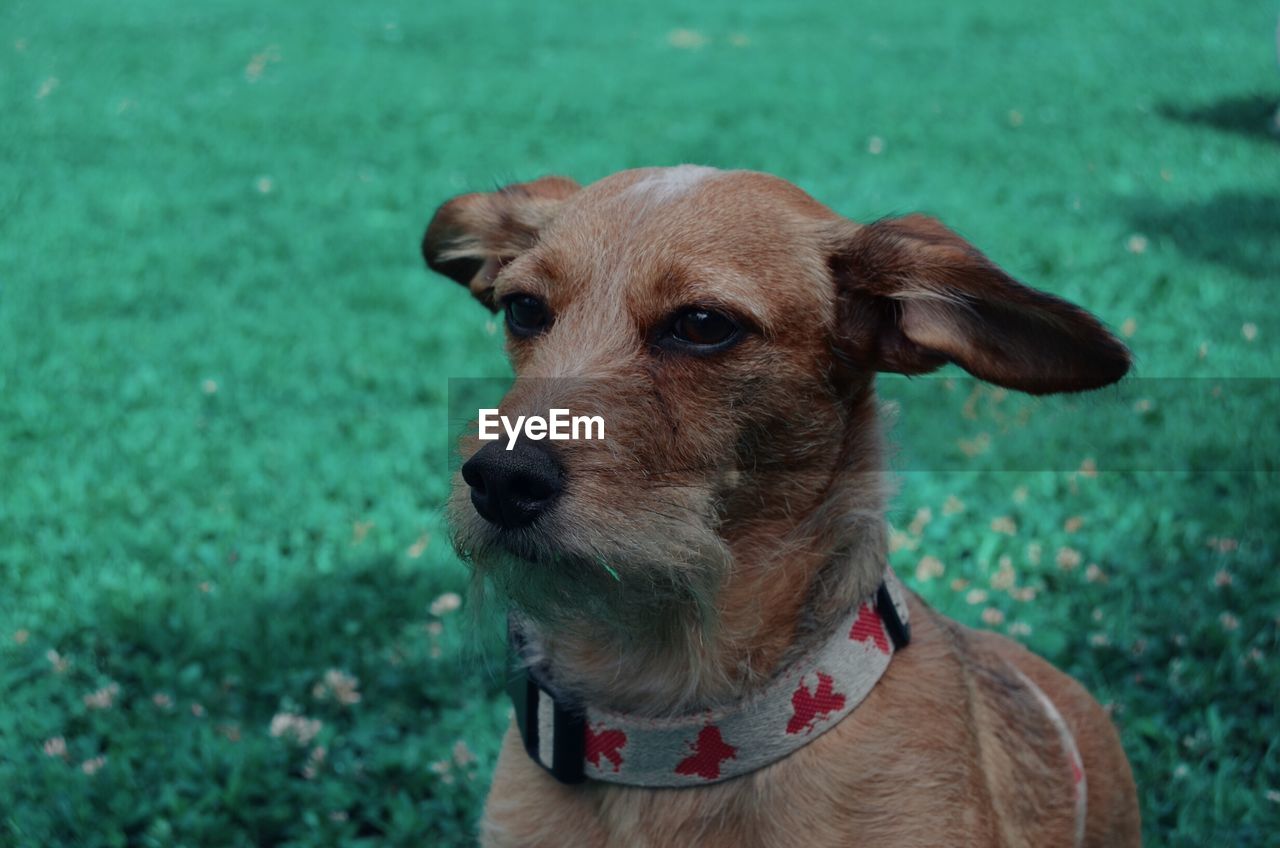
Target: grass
[[224, 374]]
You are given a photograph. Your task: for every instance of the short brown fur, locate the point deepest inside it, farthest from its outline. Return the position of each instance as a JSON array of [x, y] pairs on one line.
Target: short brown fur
[[739, 502]]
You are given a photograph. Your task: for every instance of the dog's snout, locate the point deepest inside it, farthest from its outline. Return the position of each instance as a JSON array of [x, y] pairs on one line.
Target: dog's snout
[[510, 488]]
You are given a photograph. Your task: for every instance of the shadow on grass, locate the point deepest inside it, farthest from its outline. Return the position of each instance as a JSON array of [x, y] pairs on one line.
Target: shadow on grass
[[1234, 229], [263, 649], [1247, 114], [199, 677]]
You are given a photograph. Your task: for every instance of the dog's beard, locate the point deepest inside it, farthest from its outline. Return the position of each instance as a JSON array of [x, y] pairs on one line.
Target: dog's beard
[[634, 569]]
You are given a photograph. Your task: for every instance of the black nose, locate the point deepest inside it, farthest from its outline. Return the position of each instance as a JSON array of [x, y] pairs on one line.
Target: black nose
[[511, 488]]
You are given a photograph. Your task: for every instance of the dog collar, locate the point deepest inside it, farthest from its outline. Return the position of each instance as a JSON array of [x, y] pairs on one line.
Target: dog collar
[[574, 743]]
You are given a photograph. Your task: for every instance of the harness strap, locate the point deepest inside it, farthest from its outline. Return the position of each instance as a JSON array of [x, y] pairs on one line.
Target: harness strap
[[1079, 783]]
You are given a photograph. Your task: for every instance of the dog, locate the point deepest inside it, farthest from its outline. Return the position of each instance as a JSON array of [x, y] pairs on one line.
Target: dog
[[711, 648]]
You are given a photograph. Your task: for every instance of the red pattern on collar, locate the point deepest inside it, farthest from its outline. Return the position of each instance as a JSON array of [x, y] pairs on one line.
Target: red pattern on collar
[[870, 626], [607, 743], [709, 751], [808, 708]]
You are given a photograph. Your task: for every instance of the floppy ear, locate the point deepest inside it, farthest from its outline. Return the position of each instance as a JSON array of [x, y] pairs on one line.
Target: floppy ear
[[914, 296], [472, 236]]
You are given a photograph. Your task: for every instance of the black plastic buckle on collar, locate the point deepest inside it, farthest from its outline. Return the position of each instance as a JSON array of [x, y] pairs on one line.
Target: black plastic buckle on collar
[[569, 729], [899, 630]]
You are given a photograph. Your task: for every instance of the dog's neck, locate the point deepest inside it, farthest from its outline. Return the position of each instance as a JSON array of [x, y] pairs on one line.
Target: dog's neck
[[793, 577]]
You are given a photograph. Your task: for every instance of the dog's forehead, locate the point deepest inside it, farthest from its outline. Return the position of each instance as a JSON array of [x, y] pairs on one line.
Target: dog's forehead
[[643, 229], [659, 198], [661, 185]]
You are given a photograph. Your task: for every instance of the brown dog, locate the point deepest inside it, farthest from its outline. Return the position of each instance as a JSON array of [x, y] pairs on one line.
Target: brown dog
[[682, 590]]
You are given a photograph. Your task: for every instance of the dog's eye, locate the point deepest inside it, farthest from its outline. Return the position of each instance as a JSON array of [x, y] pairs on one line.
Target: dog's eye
[[704, 328], [526, 315]]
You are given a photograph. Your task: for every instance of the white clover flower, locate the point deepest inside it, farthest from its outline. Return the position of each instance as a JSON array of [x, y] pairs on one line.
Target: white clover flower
[[295, 728], [445, 604]]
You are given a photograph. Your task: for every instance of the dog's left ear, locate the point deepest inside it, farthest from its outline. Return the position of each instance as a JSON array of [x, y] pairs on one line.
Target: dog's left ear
[[472, 236], [914, 296]]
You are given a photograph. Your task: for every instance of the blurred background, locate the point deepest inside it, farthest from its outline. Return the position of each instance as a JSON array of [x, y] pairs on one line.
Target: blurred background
[[229, 613]]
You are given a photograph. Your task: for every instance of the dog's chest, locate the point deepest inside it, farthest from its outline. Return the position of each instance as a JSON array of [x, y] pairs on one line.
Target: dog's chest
[[934, 756], [809, 800]]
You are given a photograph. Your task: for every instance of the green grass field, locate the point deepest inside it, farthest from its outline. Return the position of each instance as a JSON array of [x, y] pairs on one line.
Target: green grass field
[[225, 588]]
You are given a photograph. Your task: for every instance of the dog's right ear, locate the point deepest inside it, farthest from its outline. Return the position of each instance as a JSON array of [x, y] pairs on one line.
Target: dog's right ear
[[472, 236]]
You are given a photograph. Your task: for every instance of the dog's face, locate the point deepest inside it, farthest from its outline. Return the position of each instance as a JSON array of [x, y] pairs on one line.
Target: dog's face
[[726, 327]]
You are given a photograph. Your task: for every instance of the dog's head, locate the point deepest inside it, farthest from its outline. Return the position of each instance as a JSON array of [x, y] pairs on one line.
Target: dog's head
[[726, 327]]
